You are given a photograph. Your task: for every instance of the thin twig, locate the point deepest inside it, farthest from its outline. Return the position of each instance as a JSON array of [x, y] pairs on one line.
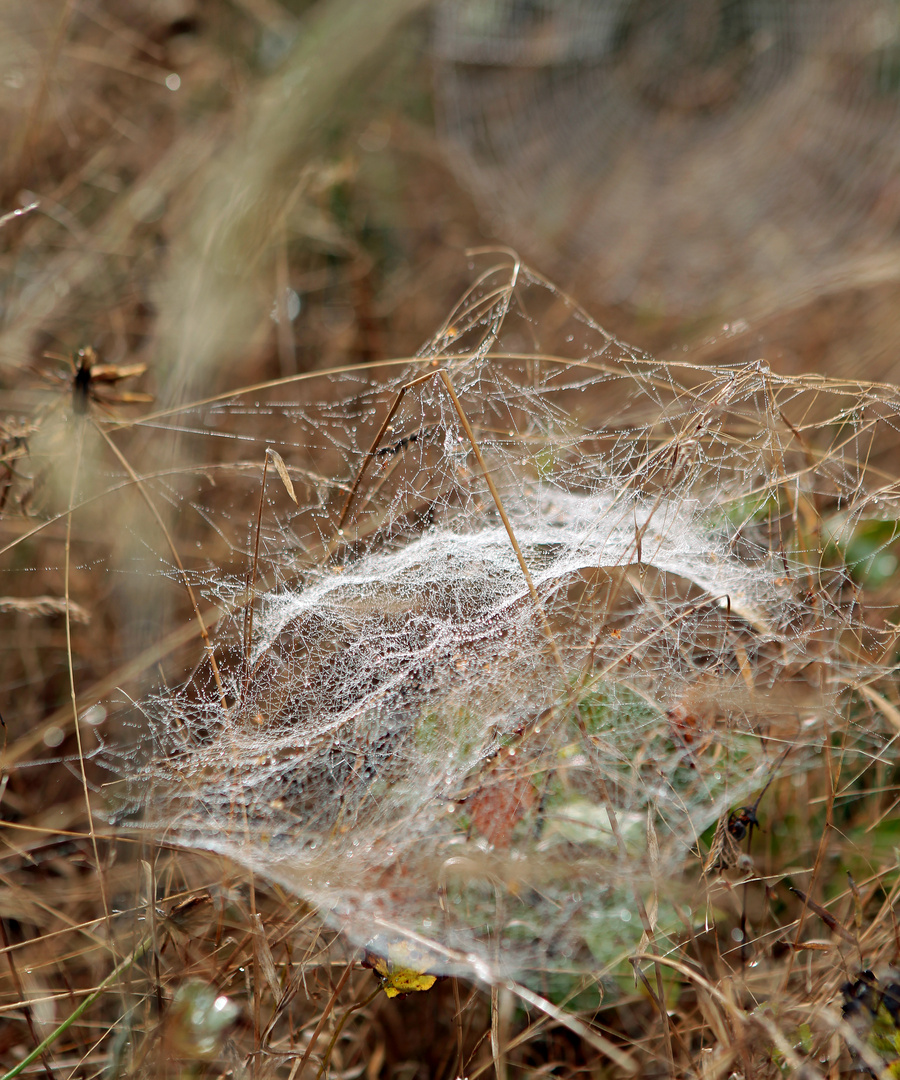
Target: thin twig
[[26, 1006], [326, 1057], [72, 693], [323, 1019], [79, 1010], [372, 451], [251, 582]]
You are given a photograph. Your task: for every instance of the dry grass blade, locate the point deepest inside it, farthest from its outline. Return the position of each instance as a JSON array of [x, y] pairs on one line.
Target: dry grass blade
[[11, 215], [78, 1011], [536, 618], [284, 475], [45, 605], [830, 921]]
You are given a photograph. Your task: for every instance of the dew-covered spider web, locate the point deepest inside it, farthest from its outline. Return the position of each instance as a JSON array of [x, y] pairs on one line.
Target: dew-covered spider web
[[693, 155], [545, 610]]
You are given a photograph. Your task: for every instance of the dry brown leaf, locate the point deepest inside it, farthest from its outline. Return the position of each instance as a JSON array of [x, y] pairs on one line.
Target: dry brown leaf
[[284, 474]]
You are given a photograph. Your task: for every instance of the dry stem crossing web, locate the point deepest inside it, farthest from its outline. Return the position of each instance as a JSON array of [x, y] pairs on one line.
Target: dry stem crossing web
[[537, 590]]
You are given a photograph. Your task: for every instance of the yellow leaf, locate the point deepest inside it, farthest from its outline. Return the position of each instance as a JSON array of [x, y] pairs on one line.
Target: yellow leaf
[[400, 965]]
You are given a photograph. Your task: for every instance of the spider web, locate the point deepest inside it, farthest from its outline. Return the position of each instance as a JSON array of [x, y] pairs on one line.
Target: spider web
[[689, 154], [508, 660]]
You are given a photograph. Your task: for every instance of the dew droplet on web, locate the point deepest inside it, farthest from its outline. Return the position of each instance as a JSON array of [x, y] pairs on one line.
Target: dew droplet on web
[[95, 715]]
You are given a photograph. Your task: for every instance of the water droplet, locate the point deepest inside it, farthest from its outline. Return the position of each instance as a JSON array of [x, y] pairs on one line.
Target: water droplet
[[96, 714], [54, 735], [289, 305]]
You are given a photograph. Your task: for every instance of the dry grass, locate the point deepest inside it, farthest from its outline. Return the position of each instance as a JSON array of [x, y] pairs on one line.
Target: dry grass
[[170, 225]]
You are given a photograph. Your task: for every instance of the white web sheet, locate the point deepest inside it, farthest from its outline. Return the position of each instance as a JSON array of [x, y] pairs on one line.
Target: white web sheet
[[433, 735]]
